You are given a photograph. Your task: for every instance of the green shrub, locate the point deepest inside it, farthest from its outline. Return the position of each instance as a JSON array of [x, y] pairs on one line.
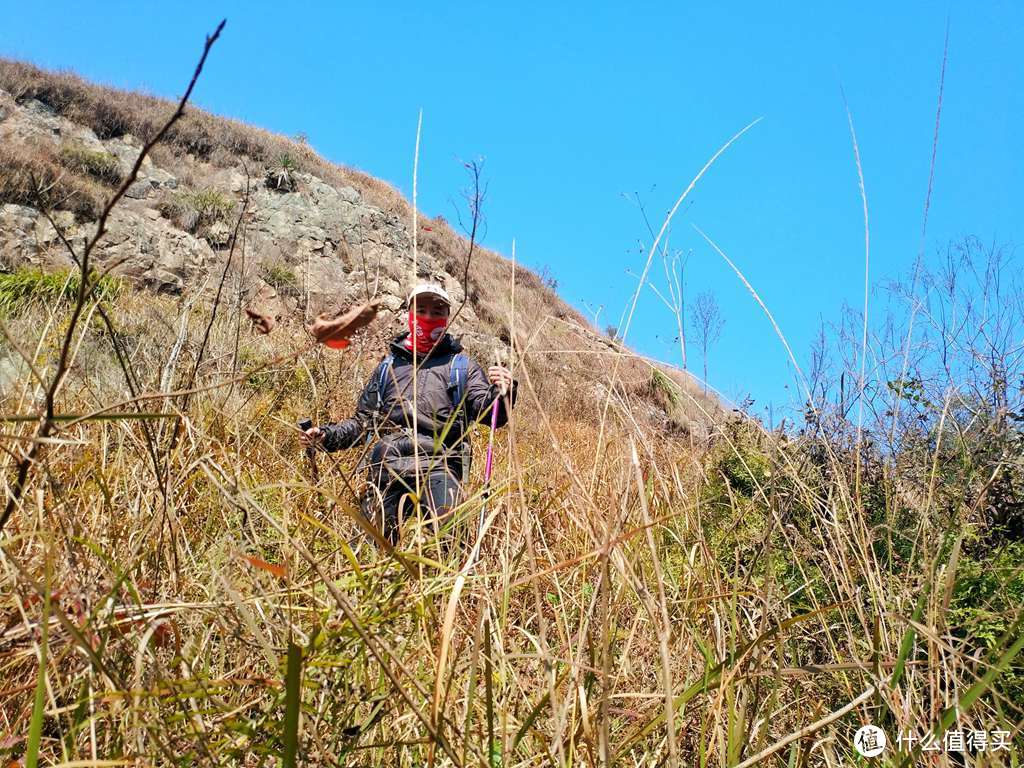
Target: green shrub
[[745, 470], [281, 279], [32, 285], [742, 461], [986, 599], [211, 205], [987, 594], [664, 389], [102, 166], [194, 210]]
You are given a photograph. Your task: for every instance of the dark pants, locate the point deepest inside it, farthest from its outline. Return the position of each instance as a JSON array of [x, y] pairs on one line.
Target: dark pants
[[391, 499]]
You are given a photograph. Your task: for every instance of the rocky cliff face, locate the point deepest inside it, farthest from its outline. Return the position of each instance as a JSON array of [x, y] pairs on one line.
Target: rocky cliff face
[[317, 244]]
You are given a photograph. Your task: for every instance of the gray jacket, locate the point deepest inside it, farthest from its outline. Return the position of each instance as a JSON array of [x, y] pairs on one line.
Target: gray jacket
[[438, 424]]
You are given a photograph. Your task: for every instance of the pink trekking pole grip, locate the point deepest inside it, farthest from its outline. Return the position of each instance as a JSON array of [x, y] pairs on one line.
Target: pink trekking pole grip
[[490, 442]]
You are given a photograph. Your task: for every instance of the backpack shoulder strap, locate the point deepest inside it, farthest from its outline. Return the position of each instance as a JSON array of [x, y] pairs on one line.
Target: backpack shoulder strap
[[457, 378], [382, 378]]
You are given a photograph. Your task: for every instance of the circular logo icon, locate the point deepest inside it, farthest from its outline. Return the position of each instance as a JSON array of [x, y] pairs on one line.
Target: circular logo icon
[[869, 740]]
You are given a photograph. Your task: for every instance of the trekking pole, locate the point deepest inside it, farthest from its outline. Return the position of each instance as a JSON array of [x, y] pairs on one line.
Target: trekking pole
[[489, 463], [310, 451]]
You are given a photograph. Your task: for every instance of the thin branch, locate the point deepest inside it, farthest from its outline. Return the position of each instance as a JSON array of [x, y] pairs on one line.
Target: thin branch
[[86, 289]]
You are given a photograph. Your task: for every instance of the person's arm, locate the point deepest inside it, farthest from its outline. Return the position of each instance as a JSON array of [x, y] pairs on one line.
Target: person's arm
[[345, 434], [481, 393]]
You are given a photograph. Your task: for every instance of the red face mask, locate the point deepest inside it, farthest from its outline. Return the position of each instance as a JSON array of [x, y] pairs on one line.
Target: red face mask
[[427, 331]]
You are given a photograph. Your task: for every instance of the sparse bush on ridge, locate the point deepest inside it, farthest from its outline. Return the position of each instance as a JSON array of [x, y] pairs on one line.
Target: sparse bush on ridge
[[547, 277]]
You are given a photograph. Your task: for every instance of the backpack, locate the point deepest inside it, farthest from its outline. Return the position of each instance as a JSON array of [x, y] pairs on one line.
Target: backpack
[[457, 373]]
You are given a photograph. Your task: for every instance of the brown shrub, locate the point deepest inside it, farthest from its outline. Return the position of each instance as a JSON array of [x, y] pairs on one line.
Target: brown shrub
[[34, 176]]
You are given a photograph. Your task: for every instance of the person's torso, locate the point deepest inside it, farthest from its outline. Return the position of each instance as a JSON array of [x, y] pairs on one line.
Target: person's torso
[[421, 400]]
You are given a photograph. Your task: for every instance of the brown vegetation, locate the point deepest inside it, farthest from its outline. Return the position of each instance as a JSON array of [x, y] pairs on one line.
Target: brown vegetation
[[176, 590], [34, 176], [198, 136]]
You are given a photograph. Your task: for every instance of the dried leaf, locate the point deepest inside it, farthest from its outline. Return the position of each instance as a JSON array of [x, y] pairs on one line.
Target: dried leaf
[[262, 323], [262, 310], [277, 570], [335, 332]]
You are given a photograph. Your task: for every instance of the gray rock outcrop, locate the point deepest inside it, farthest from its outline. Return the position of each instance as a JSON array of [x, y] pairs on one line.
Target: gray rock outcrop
[[321, 243]]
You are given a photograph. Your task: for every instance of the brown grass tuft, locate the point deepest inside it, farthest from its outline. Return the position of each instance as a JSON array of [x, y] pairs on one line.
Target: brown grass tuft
[[35, 176]]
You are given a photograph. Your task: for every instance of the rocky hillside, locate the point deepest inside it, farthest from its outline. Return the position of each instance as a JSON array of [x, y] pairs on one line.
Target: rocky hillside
[[312, 236]]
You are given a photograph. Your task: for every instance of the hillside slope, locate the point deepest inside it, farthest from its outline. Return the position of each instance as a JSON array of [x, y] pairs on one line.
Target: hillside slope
[[314, 236]]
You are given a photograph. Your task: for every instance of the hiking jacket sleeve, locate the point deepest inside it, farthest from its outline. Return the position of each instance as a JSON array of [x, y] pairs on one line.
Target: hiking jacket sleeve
[[349, 432], [480, 396]]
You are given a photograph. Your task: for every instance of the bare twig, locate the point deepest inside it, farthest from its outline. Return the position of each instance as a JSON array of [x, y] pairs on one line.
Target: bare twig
[[85, 290]]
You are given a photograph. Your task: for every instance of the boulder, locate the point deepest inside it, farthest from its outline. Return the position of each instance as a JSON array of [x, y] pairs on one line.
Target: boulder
[[150, 177], [28, 238], [153, 252], [34, 121]]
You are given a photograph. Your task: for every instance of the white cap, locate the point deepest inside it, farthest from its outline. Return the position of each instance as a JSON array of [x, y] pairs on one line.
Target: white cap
[[429, 289]]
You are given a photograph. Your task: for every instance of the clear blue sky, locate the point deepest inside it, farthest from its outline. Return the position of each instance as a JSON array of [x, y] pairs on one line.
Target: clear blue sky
[[576, 105]]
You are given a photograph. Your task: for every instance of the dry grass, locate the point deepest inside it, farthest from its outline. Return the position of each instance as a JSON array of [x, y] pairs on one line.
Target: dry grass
[[198, 136], [176, 591], [34, 176], [172, 612]]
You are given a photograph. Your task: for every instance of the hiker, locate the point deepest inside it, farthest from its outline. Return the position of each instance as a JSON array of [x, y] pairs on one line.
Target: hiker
[[452, 393]]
